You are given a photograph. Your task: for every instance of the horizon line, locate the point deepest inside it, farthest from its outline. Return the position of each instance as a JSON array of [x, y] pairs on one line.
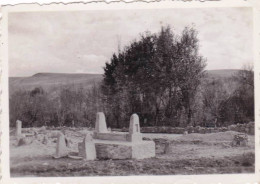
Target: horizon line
[[90, 73]]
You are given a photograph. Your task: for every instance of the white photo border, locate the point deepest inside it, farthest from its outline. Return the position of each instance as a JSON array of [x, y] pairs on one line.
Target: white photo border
[[199, 179]]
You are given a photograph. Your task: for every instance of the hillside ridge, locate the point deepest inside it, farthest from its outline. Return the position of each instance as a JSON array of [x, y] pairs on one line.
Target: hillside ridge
[[52, 81]]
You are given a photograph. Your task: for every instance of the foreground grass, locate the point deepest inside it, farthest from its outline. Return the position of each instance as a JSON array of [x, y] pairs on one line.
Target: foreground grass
[[153, 166], [189, 154]]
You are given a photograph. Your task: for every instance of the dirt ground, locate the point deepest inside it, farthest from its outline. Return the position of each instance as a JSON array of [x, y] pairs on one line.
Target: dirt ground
[[187, 154]]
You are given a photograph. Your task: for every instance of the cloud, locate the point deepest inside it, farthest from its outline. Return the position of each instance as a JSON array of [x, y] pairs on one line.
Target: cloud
[[82, 41]]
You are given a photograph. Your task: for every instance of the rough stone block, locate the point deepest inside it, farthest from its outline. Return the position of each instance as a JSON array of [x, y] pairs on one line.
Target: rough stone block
[[118, 136], [144, 149], [134, 137], [87, 149], [110, 136], [113, 151], [24, 141], [124, 150], [61, 149]]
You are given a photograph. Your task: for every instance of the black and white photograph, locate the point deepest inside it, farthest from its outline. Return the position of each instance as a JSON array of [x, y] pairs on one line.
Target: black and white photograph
[[131, 92]]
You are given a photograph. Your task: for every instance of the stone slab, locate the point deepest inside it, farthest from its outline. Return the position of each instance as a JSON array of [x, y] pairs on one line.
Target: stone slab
[[124, 150], [118, 136], [134, 137], [87, 150], [144, 149], [61, 149], [110, 136]]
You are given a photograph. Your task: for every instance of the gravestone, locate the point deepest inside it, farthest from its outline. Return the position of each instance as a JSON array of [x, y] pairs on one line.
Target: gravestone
[[134, 126], [134, 129], [100, 126], [87, 149], [121, 145], [61, 149], [18, 128]]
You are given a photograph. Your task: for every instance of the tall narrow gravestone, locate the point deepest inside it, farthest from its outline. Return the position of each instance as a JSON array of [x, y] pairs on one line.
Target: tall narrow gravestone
[[61, 149], [18, 128], [134, 126], [87, 149], [134, 129], [100, 126]]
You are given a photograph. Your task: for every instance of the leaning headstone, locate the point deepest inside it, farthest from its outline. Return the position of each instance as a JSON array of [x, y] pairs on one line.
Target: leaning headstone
[[61, 149], [87, 149], [18, 128], [100, 126]]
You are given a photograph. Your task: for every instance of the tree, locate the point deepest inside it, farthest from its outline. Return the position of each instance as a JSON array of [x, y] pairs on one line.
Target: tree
[[31, 107], [156, 77]]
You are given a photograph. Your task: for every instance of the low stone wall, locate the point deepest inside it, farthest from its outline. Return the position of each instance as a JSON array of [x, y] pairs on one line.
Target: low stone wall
[[244, 128], [248, 128]]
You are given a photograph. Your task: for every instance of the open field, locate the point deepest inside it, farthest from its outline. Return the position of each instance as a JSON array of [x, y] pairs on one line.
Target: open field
[[187, 154]]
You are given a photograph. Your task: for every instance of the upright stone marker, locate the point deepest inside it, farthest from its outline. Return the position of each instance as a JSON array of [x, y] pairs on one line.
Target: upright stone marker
[[87, 148], [134, 126], [18, 128], [61, 149], [134, 129], [100, 126]]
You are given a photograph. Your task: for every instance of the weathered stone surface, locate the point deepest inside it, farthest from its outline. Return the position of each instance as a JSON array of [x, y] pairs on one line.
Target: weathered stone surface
[[143, 149], [124, 150], [111, 145], [18, 128], [111, 136], [61, 149], [134, 137], [100, 126], [24, 141], [87, 149], [134, 126], [113, 151], [118, 136]]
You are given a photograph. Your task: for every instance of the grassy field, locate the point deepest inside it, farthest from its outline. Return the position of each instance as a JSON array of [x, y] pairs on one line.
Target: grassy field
[[188, 154]]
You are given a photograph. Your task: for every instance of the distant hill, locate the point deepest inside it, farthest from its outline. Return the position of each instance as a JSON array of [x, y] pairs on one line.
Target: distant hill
[[54, 81], [222, 73]]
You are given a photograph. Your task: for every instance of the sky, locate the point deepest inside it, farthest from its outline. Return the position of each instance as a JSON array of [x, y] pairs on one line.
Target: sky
[[82, 41]]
